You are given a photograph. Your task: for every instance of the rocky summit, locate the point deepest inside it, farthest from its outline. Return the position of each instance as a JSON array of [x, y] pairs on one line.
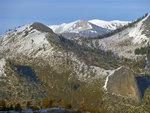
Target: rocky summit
[[123, 82]]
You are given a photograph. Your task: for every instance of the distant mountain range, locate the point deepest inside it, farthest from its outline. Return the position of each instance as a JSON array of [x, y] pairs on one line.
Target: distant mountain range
[[87, 28]]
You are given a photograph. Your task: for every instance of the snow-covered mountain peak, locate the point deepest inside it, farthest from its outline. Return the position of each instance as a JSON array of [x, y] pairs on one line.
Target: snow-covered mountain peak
[[73, 27], [80, 25], [98, 22], [27, 39], [34, 26], [112, 25], [79, 28], [87, 28], [32, 30]]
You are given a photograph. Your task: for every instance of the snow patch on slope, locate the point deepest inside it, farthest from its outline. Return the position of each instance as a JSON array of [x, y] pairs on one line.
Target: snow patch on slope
[[2, 67], [32, 42], [137, 33], [125, 42], [25, 27]]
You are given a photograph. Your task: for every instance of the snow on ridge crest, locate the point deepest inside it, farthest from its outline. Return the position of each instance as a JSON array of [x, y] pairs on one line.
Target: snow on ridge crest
[[24, 27], [92, 27], [72, 27], [137, 32], [112, 25]]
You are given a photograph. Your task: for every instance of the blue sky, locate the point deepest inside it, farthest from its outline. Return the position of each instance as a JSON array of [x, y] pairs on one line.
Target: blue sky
[[14, 13]]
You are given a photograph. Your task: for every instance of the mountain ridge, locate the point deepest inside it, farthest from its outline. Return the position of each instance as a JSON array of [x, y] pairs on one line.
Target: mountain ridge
[[87, 28], [80, 27], [125, 40]]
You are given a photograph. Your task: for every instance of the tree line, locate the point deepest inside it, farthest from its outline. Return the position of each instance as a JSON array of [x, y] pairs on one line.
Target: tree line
[[50, 103]]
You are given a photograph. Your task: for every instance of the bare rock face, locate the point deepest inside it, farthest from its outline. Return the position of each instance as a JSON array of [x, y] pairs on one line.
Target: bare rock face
[[123, 83], [41, 27]]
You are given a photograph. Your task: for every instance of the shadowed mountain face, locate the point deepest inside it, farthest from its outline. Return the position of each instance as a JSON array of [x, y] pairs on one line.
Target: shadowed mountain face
[[24, 71], [27, 72], [20, 84], [143, 83]]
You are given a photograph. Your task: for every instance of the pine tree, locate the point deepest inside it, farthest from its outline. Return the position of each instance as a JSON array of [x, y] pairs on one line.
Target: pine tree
[[18, 107], [68, 105], [11, 107], [3, 105], [83, 106], [62, 103], [28, 105], [45, 103]]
